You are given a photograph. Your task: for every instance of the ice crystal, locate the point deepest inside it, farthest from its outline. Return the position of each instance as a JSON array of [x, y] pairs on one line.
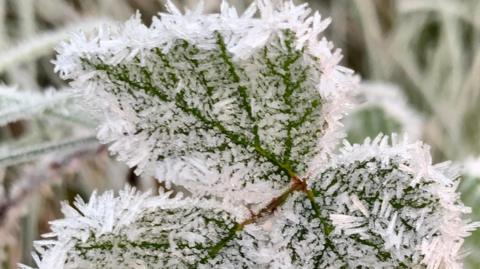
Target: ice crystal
[[244, 110]]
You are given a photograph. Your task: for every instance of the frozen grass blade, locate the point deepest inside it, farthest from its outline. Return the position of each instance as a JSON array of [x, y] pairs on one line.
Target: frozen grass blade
[[9, 157]]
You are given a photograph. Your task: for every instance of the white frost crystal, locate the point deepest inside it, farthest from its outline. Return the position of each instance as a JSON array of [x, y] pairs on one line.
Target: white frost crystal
[[244, 110]]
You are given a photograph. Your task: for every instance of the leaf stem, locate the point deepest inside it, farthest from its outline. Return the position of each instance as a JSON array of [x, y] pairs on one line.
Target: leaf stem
[[296, 185]]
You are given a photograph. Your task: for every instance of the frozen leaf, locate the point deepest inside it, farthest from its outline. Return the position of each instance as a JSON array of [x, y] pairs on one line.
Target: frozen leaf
[[376, 206], [224, 105]]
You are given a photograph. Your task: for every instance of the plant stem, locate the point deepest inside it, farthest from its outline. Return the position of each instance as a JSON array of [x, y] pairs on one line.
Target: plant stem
[[296, 185]]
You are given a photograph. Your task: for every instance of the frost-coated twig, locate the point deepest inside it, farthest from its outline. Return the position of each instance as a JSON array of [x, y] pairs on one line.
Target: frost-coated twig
[[10, 157], [17, 105]]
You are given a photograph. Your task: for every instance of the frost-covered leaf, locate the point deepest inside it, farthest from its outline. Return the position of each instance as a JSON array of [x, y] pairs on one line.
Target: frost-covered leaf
[[376, 206], [232, 106], [135, 230]]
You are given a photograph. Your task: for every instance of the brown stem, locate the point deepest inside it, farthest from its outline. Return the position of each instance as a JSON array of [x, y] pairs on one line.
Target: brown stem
[[297, 184]]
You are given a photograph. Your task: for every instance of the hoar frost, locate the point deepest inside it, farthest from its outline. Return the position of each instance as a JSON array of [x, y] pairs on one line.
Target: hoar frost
[[224, 104], [244, 111]]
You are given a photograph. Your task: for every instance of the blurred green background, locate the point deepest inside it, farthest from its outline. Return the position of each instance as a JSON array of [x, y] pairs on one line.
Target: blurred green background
[[419, 60]]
